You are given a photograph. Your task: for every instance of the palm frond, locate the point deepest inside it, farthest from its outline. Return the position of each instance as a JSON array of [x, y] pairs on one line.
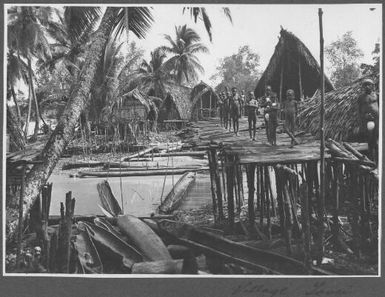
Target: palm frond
[[79, 19], [140, 20], [227, 13]]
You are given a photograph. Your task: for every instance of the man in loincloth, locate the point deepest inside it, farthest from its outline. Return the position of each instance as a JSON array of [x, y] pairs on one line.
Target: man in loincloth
[[229, 104], [264, 102], [368, 112], [225, 110], [251, 110], [243, 103], [235, 109], [272, 119], [290, 111], [220, 108]]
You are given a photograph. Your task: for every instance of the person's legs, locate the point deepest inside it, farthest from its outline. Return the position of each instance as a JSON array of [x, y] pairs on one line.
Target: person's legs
[[254, 126], [250, 120]]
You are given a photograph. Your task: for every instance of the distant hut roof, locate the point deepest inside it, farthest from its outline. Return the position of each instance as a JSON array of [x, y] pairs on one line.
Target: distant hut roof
[[181, 96], [199, 90], [288, 52], [341, 112]]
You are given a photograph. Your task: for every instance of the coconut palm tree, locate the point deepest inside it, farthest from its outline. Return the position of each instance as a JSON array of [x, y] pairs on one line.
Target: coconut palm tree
[[27, 37], [184, 64], [139, 21], [152, 76], [201, 13]]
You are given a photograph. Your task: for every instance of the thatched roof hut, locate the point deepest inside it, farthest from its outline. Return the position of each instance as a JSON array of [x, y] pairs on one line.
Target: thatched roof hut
[[176, 104], [204, 99], [341, 112], [130, 107], [292, 66]]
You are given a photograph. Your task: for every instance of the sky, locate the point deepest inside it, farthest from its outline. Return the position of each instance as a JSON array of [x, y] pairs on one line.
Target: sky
[[259, 25]]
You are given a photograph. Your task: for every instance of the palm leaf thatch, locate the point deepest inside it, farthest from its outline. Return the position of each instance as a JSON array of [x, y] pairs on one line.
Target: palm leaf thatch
[[291, 56], [341, 112], [177, 103]]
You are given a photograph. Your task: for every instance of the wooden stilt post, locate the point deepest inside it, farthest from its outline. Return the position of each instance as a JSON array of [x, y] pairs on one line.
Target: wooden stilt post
[[213, 185], [262, 209], [214, 159], [20, 223], [268, 198], [65, 231], [250, 171], [321, 206], [210, 108], [305, 223], [230, 190]]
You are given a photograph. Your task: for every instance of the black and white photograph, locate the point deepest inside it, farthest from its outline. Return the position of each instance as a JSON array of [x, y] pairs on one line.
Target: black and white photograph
[[173, 140]]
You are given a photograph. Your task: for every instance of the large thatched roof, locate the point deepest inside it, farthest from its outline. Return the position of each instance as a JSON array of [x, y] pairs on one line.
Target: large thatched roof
[[291, 54], [341, 112], [180, 96], [147, 101]]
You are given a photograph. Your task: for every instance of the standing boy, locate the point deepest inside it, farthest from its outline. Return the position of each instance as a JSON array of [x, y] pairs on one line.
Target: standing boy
[[272, 112], [235, 109], [290, 110], [251, 109]]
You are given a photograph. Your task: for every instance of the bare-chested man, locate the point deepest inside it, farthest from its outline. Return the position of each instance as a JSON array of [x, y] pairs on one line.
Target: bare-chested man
[[368, 111], [290, 110], [265, 101], [235, 109], [251, 110]]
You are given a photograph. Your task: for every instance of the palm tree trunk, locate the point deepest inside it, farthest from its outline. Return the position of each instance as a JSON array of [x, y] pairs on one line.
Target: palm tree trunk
[[18, 114], [37, 119], [64, 131], [16, 136], [28, 117]]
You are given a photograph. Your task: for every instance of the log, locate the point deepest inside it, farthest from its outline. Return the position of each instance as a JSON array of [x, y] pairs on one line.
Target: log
[[177, 193], [177, 154], [158, 267], [80, 164], [139, 154], [114, 247], [144, 168], [138, 232], [137, 173], [87, 253]]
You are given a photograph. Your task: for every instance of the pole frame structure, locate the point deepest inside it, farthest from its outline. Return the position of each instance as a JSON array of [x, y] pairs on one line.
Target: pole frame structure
[[322, 148]]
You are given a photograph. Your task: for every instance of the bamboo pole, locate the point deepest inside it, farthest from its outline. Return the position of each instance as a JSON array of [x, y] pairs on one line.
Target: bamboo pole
[[213, 185], [322, 148], [217, 184], [268, 197], [281, 86]]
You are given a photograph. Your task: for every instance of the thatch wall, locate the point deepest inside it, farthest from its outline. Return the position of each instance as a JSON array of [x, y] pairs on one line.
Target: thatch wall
[[291, 54], [202, 95], [177, 104], [341, 113]]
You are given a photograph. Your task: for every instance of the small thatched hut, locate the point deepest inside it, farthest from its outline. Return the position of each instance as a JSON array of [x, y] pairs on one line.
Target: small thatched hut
[[292, 66], [341, 113], [204, 101], [176, 104]]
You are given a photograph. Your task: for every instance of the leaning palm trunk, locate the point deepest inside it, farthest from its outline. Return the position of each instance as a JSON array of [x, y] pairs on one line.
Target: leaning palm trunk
[[33, 94], [63, 133], [16, 135]]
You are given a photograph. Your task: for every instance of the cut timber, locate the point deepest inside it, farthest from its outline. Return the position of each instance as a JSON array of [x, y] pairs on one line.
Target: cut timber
[[144, 238], [176, 195], [139, 154], [158, 267], [114, 246], [177, 154], [81, 164], [107, 198], [137, 173], [87, 253], [154, 169], [231, 251]]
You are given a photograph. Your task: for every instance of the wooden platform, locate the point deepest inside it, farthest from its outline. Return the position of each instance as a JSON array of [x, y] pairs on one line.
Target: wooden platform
[[259, 151]]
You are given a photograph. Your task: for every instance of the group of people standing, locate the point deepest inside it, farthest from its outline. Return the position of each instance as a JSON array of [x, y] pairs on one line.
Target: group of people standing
[[232, 106]]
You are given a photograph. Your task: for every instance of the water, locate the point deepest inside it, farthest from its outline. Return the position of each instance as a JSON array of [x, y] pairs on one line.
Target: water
[[141, 195]]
